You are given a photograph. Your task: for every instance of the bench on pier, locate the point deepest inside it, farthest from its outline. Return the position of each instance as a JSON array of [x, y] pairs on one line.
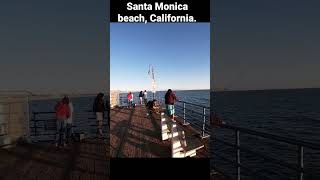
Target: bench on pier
[[182, 145]]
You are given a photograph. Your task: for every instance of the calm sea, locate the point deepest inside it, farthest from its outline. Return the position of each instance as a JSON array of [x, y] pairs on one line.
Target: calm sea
[[289, 113]]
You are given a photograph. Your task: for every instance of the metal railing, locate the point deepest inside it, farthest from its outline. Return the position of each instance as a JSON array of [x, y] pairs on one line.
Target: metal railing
[[191, 113], [298, 168], [196, 115], [36, 128]]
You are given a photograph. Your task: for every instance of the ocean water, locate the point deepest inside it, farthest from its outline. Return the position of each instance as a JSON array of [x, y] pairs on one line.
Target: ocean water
[[201, 97], [289, 113]]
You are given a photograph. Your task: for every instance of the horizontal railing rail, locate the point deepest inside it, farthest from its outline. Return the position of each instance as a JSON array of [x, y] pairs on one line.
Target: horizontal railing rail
[[198, 105], [301, 145], [274, 137]]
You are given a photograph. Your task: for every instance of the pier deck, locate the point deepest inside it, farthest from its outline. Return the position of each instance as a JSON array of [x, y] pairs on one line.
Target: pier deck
[[85, 160], [134, 134]]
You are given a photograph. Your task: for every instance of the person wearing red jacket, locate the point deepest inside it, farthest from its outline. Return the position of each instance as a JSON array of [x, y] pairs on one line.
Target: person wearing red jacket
[[130, 99], [170, 99], [62, 114]]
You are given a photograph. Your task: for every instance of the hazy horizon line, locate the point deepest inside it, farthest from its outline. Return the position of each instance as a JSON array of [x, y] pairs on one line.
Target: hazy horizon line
[[226, 89]]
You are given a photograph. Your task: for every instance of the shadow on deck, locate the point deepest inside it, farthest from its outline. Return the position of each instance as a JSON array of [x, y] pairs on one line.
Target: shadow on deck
[[134, 134], [86, 160]]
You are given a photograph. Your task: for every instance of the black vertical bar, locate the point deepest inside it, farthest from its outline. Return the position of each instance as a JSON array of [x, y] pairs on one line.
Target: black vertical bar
[[238, 154], [34, 123], [204, 121], [301, 165], [184, 113]]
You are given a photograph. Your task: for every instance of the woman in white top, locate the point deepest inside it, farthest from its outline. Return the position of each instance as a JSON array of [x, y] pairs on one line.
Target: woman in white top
[[145, 96], [69, 120]]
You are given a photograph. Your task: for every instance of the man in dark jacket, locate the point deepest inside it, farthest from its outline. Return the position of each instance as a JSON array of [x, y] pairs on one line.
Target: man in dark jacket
[[98, 108]]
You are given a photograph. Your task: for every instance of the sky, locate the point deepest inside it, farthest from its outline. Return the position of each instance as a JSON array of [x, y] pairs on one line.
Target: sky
[[53, 46], [180, 54], [266, 44]]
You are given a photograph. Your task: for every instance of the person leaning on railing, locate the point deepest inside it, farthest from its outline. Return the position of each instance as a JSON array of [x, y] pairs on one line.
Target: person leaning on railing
[[170, 99]]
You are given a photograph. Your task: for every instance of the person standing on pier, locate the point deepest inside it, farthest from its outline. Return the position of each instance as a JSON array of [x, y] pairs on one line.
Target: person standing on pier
[[69, 120], [130, 99], [141, 97], [145, 96], [98, 108], [170, 99], [62, 114]]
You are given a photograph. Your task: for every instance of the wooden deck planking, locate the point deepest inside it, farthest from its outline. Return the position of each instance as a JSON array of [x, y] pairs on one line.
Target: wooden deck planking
[[135, 134], [85, 160]]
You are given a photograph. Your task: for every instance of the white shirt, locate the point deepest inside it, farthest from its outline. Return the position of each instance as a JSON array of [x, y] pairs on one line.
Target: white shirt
[[69, 120]]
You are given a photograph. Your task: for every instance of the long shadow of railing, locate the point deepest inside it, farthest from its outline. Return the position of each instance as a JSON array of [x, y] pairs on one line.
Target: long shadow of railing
[[126, 137]]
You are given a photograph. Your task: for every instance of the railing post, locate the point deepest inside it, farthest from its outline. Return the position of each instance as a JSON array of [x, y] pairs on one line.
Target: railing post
[[34, 123], [238, 154], [184, 114], [203, 134], [300, 159]]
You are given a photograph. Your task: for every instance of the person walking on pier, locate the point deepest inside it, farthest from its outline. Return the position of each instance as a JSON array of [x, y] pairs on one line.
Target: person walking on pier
[[98, 108], [170, 99], [141, 97], [62, 114], [130, 99], [69, 120]]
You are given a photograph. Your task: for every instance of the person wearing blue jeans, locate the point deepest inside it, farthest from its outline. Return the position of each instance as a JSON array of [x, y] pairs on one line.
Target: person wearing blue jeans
[[61, 131]]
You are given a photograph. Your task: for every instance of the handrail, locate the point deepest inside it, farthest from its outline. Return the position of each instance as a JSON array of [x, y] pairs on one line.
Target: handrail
[[204, 115], [274, 137], [285, 164], [299, 168], [207, 107], [193, 111], [52, 112]]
